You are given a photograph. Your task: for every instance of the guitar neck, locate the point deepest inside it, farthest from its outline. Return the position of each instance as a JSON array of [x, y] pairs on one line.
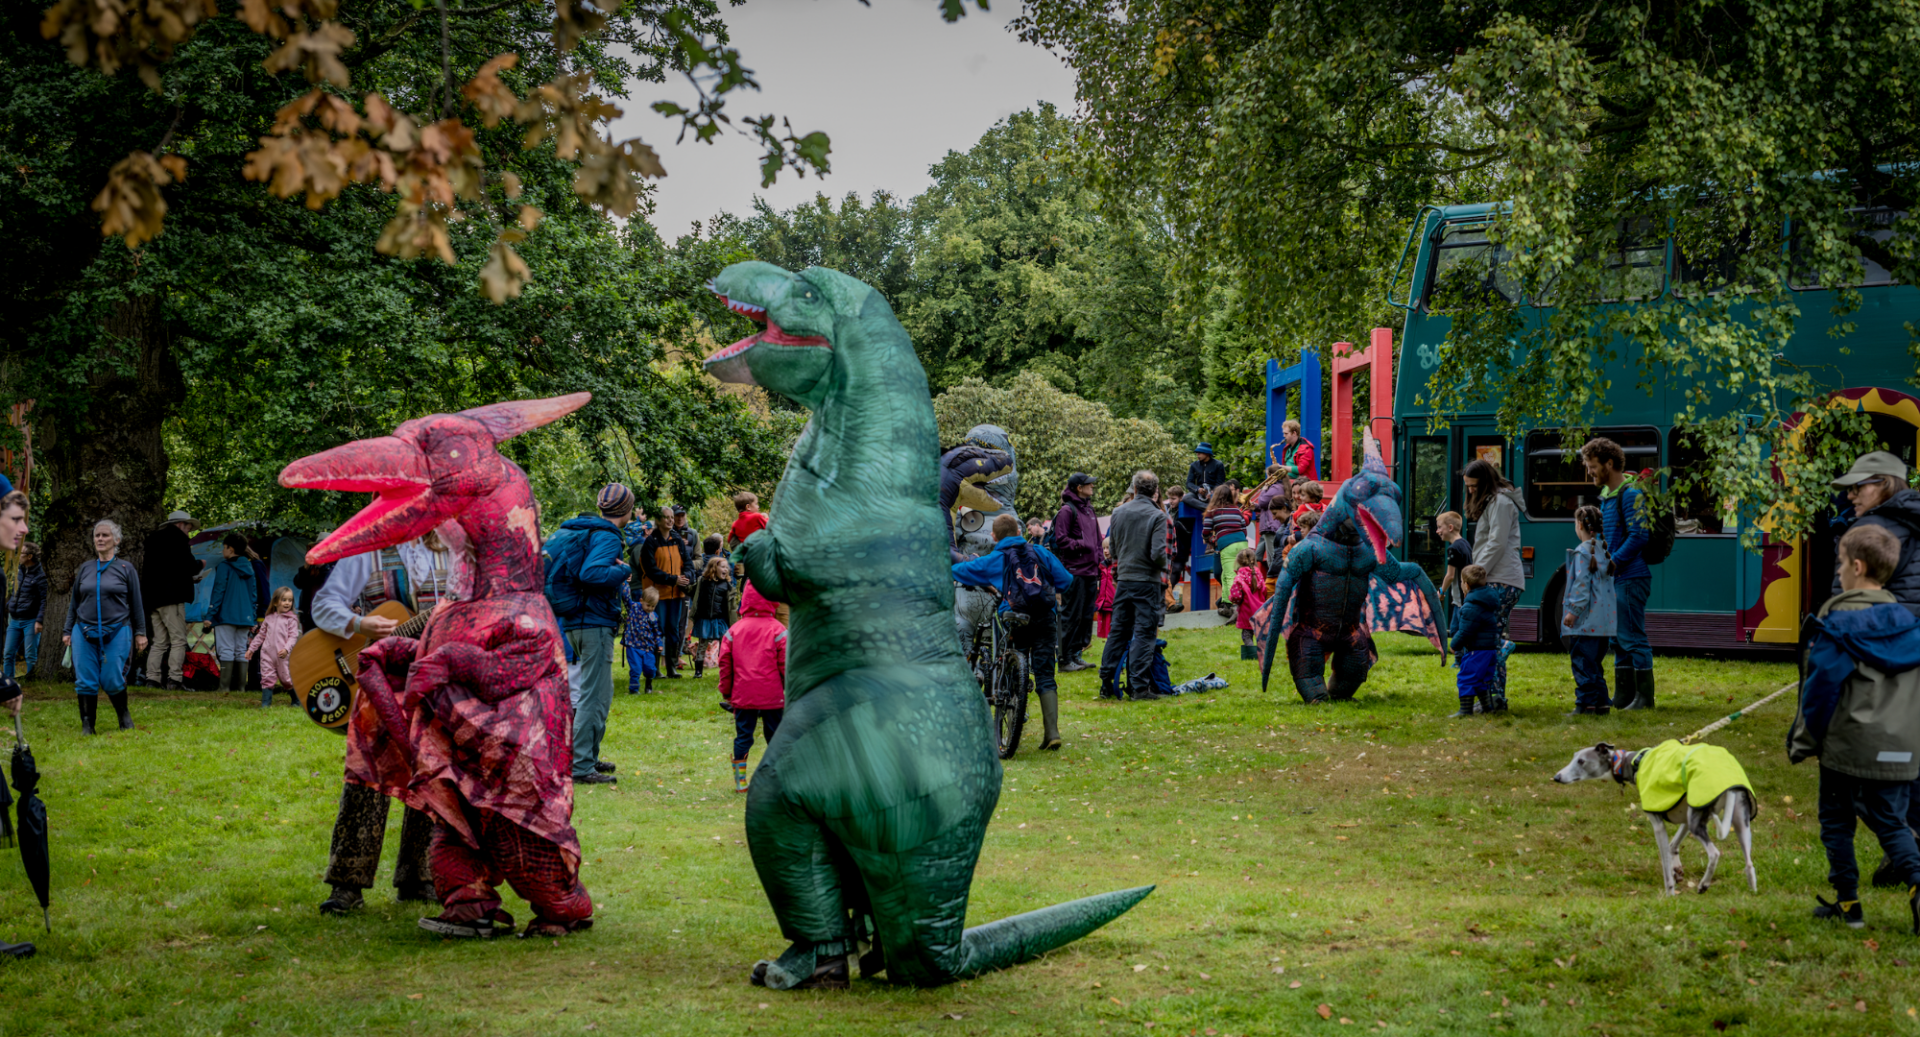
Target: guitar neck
[[413, 627]]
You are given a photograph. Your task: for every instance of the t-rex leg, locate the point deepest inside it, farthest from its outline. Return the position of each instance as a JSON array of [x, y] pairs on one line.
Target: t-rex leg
[[464, 878], [1306, 658], [796, 860], [539, 872]]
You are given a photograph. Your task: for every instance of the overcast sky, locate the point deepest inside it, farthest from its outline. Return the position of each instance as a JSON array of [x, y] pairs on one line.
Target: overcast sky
[[893, 85]]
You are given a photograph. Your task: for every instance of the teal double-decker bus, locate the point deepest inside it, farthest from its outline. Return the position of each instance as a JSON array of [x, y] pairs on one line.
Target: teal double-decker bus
[[1709, 593]]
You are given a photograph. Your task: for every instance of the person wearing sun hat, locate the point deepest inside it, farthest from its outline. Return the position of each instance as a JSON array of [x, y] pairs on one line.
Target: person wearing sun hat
[[167, 575], [1878, 494]]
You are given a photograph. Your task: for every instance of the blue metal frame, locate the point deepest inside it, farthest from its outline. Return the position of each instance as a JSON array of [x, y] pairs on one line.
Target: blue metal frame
[[1305, 375]]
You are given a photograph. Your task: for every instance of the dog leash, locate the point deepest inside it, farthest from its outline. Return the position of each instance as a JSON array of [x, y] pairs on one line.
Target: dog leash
[[1737, 714]]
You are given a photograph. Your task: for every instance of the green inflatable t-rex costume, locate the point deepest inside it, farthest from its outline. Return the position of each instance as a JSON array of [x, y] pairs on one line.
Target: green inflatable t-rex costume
[[866, 815]]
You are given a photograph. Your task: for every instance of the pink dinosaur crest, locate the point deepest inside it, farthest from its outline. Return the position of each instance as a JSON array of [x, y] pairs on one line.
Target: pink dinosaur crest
[[429, 471]]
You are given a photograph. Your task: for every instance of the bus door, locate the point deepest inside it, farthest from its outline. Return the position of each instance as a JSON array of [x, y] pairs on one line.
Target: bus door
[[1430, 481]]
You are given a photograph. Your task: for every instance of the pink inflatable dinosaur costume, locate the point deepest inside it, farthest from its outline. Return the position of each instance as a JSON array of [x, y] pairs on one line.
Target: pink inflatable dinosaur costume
[[470, 723]]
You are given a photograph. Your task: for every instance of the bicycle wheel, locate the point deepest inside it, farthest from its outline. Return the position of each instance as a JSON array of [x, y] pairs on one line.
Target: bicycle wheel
[[1010, 702]]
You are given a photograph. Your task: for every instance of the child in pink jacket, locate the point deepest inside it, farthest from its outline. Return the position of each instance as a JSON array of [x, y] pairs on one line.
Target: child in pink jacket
[[1248, 593], [753, 676], [274, 640]]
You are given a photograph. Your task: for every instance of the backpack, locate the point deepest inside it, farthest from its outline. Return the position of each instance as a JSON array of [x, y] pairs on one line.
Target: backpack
[[1024, 582], [566, 552], [1157, 672], [1661, 532]]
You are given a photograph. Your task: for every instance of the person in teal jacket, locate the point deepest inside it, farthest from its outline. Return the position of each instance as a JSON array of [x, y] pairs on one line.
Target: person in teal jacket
[[230, 610]]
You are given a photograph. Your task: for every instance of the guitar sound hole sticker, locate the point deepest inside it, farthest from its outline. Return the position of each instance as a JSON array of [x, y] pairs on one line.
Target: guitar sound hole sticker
[[329, 701]]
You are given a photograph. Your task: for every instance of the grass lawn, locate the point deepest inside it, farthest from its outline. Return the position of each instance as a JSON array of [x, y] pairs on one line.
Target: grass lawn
[[1372, 862]]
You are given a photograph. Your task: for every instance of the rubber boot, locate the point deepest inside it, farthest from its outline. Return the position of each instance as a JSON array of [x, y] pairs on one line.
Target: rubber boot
[[1622, 686], [89, 708], [1643, 690], [266, 695], [1050, 718], [1466, 709], [236, 674], [739, 775], [119, 700]]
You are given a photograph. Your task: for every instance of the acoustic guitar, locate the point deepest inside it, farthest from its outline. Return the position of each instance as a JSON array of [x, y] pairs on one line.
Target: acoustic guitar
[[324, 666]]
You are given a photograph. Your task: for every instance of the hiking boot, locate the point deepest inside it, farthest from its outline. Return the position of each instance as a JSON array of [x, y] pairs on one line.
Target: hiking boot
[[1847, 911], [345, 900], [1590, 711], [1886, 876], [596, 778], [1075, 665], [603, 767], [414, 892], [16, 950], [476, 929], [1051, 745]]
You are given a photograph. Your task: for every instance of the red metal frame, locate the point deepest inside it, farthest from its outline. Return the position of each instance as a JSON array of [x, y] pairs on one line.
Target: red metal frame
[[1377, 357]]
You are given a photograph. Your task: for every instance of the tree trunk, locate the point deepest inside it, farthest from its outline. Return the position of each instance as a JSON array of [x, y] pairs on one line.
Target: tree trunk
[[106, 460]]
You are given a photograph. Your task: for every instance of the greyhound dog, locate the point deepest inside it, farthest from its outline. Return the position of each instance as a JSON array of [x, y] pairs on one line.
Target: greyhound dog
[[1704, 779]]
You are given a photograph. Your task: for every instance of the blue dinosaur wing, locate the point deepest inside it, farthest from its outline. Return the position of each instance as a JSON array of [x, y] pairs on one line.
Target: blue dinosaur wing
[[1401, 599]]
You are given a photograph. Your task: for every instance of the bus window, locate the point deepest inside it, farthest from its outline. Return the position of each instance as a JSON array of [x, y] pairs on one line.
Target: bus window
[[1466, 264], [1875, 224], [1637, 264], [1694, 511], [1555, 484]]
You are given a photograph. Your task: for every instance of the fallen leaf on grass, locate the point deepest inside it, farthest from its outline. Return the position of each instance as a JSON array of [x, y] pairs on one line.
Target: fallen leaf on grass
[[1295, 985], [415, 997], [1326, 1011], [1859, 1006], [1139, 968], [1872, 945]]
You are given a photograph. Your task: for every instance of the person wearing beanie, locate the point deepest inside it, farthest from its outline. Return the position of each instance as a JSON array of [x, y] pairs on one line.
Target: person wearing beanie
[[584, 574]]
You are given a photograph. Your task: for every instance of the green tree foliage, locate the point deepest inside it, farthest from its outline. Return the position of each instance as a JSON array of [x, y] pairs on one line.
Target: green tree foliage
[[252, 330], [1056, 434], [996, 240], [869, 240], [1289, 142]]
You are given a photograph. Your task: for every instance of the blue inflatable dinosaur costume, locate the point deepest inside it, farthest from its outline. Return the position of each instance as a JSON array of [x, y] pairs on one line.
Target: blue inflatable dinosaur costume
[[1340, 585]]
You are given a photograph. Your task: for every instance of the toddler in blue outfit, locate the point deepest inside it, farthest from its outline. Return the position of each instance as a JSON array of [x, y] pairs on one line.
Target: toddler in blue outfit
[[1476, 639]]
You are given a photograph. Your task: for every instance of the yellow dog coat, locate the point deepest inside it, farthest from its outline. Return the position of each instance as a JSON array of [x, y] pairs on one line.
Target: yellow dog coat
[[1699, 772]]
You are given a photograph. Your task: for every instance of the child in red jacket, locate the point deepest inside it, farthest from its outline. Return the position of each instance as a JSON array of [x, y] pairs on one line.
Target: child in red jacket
[[753, 676], [1249, 592]]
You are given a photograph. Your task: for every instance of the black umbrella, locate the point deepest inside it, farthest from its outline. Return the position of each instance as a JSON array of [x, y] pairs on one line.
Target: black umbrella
[[32, 830]]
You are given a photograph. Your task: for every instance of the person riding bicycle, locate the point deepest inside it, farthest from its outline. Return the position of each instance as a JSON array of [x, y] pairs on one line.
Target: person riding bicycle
[[1028, 577]]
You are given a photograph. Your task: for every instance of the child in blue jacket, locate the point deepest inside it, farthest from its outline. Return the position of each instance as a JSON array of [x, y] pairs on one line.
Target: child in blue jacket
[[1590, 620], [1476, 639]]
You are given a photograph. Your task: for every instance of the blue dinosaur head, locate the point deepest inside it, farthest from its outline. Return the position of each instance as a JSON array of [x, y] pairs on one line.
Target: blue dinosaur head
[[1369, 502], [809, 316]]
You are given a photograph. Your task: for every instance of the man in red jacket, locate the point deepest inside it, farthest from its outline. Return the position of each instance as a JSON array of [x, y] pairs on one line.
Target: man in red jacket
[[1076, 542]]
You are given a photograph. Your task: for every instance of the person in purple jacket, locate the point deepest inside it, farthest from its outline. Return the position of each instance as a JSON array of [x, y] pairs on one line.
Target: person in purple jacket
[[1076, 542]]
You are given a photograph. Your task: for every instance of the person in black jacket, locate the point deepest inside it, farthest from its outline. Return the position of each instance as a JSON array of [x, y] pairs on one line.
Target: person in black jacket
[[1878, 494], [166, 584], [1205, 474], [26, 613]]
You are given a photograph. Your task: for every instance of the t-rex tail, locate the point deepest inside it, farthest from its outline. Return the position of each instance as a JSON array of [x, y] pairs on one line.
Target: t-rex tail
[[1024, 937]]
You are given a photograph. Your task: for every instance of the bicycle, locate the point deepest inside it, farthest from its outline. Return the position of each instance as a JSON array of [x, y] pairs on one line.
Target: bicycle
[[1005, 676]]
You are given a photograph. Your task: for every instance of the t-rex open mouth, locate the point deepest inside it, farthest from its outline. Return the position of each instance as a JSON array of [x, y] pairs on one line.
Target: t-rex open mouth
[[772, 336]]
